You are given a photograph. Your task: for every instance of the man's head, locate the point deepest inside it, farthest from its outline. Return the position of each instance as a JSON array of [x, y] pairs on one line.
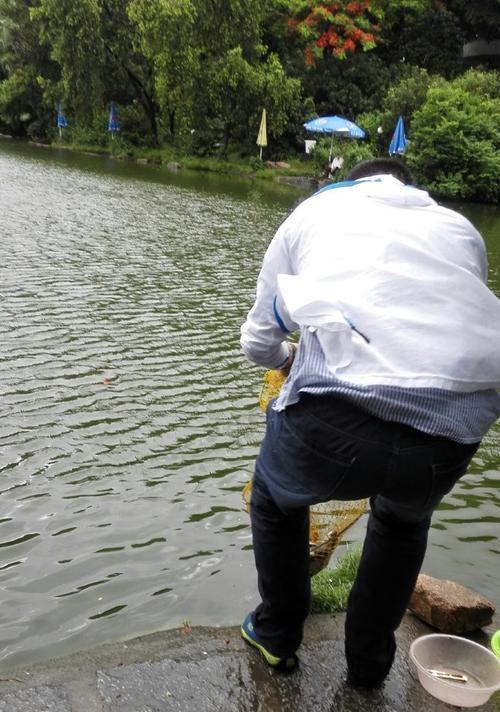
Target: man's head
[[381, 166]]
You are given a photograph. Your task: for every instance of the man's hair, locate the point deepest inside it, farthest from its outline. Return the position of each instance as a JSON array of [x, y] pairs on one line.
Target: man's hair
[[381, 166]]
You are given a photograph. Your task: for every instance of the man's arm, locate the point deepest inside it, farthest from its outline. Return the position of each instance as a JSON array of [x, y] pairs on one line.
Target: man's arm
[[263, 335]]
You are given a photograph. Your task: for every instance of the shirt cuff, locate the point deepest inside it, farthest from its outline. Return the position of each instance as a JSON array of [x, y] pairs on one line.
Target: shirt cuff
[[285, 353]]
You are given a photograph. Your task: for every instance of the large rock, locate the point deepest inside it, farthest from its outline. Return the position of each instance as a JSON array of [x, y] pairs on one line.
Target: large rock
[[449, 607], [276, 164]]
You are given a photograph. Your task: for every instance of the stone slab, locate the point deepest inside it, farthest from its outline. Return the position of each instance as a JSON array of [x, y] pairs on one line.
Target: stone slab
[[213, 670]]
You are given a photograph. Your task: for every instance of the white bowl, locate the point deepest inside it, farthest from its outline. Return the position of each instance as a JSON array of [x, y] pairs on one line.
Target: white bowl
[[461, 657]]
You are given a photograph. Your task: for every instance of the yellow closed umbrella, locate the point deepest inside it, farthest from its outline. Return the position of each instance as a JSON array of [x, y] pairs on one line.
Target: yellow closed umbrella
[[262, 136]]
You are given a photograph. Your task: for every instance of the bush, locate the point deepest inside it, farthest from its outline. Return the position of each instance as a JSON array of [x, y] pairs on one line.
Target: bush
[[455, 142], [94, 132], [403, 99], [371, 122], [352, 151]]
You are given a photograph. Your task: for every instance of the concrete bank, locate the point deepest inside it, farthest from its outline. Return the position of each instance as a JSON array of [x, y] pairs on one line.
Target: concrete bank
[[212, 670]]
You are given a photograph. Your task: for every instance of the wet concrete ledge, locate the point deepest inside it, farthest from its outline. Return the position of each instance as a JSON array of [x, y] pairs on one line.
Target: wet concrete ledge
[[212, 670]]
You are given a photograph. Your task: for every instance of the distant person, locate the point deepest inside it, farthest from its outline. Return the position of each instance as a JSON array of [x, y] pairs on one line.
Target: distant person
[[334, 165], [389, 393], [337, 163]]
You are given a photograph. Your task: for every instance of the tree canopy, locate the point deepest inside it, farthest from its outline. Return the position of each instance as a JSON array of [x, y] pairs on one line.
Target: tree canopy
[[196, 74]]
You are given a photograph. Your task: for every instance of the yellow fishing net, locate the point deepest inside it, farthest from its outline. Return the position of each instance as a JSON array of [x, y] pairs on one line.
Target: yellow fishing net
[[271, 386], [327, 521]]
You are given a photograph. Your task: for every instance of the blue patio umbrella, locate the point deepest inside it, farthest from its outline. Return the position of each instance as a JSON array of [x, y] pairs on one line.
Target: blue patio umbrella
[[399, 141], [335, 126], [61, 119], [113, 120]]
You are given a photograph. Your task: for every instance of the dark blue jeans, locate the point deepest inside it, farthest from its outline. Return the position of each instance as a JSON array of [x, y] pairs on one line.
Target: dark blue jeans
[[325, 448]]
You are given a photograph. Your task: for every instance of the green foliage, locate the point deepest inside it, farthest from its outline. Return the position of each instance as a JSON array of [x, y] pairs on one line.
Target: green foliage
[[93, 131], [196, 74], [23, 61], [455, 146], [485, 84], [134, 125], [236, 91], [406, 96], [351, 150], [348, 87], [412, 30], [164, 30], [402, 99], [330, 588], [372, 123], [339, 28], [255, 163], [478, 19], [222, 25], [73, 32], [15, 93]]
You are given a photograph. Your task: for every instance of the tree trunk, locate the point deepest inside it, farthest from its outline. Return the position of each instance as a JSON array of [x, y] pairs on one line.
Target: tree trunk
[[144, 97], [171, 122], [225, 139], [150, 111]]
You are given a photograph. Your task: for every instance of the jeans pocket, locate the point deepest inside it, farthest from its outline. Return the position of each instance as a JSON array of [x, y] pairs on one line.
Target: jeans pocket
[[444, 477], [320, 472]]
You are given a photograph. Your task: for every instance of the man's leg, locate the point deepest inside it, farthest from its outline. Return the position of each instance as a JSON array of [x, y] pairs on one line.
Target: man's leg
[[393, 553], [281, 549], [394, 549]]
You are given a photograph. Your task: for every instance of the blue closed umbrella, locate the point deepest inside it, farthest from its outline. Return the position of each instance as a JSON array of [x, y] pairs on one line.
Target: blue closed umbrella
[[61, 119], [335, 126], [113, 121], [399, 141]]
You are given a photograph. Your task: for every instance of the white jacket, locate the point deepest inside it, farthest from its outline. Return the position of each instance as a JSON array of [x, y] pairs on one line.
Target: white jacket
[[406, 273]]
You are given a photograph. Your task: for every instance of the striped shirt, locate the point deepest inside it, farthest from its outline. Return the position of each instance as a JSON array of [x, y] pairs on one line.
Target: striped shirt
[[462, 417]]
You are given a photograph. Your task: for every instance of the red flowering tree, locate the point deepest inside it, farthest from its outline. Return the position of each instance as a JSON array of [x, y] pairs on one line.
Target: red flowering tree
[[339, 28]]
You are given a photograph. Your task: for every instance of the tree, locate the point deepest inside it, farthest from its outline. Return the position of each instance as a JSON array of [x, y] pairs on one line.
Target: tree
[[412, 30], [236, 91], [222, 25], [128, 76], [73, 32], [348, 87], [237, 76], [339, 27], [165, 29], [98, 51], [24, 63], [403, 98], [478, 19], [455, 140]]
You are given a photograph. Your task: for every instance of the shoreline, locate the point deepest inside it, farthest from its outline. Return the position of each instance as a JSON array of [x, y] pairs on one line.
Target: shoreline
[[297, 174], [287, 172]]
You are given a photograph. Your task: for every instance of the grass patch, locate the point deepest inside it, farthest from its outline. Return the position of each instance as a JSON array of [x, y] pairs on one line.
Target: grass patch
[[249, 167], [330, 587]]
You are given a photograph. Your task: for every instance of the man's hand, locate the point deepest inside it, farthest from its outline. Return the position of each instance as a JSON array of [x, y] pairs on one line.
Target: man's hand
[[292, 348]]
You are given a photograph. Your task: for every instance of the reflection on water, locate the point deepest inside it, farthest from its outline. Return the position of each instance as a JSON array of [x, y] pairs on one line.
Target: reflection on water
[[128, 419]]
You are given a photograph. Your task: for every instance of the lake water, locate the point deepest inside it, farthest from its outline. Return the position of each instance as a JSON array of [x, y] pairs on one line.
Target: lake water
[[128, 418]]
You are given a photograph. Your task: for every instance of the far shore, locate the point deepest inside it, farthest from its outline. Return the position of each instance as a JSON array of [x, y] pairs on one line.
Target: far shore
[[298, 173]]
